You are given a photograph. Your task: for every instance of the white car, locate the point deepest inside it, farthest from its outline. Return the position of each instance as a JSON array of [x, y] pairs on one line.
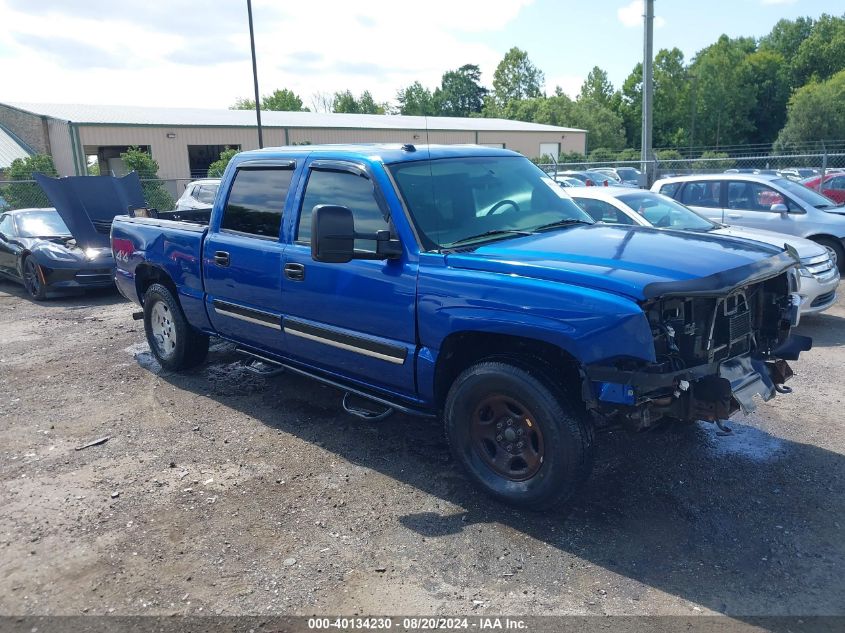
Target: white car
[[818, 274], [762, 202], [198, 194]]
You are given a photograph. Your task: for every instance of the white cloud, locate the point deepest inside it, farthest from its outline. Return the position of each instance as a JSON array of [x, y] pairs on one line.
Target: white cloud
[[768, 2], [570, 84], [137, 52], [632, 15]]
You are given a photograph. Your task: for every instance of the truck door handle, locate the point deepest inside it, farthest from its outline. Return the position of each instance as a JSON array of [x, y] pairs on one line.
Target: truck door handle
[[221, 258], [294, 271], [735, 216]]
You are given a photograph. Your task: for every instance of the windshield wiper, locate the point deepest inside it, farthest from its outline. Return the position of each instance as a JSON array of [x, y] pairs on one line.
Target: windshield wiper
[[492, 233], [559, 223]]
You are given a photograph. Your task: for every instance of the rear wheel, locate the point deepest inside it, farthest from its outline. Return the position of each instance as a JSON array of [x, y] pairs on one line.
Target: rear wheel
[[32, 280], [834, 247], [519, 440], [175, 344]]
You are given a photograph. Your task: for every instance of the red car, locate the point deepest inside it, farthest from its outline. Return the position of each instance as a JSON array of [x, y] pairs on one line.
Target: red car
[[833, 187]]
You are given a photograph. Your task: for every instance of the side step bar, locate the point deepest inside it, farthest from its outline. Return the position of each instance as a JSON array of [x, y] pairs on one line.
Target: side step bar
[[384, 402]]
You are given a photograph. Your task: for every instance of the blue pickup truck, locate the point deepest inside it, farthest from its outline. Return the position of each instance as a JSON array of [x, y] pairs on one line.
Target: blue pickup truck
[[462, 282]]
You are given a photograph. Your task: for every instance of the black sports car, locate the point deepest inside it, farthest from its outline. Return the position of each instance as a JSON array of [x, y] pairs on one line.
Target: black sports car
[[38, 250]]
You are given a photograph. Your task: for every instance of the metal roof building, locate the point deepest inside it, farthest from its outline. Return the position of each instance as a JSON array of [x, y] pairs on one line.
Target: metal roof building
[[184, 141], [11, 147]]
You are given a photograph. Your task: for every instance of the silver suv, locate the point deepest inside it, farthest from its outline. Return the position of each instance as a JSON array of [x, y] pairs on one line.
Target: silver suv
[[762, 202]]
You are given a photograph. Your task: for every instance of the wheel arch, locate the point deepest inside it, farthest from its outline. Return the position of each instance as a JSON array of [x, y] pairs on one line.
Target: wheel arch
[[148, 274], [460, 350]]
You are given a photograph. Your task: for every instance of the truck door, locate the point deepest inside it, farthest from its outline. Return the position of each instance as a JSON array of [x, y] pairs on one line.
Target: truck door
[[355, 319], [242, 256]]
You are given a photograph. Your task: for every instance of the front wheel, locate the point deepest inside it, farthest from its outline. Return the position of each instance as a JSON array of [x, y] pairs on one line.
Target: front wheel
[[32, 280], [173, 342], [519, 440]]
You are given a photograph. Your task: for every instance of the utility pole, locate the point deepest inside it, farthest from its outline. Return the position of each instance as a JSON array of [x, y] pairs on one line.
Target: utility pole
[[254, 74], [648, 92]]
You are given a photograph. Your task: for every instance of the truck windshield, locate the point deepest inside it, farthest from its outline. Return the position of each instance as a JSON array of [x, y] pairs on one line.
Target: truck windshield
[[456, 200]]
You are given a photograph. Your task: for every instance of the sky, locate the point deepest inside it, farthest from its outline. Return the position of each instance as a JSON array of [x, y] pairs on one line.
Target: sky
[[195, 53]]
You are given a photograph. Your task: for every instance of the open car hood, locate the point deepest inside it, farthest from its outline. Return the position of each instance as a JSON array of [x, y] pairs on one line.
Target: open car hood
[[88, 204]]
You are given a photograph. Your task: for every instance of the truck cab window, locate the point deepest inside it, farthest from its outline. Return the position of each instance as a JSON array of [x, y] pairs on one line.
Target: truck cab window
[[344, 189], [256, 201]]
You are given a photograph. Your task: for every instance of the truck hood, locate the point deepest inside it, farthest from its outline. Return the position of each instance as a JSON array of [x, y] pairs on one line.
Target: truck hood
[[88, 204], [635, 261], [806, 248]]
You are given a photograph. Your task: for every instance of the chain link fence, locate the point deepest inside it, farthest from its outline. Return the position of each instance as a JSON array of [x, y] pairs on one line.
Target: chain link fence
[[813, 167], [160, 194], [816, 168]]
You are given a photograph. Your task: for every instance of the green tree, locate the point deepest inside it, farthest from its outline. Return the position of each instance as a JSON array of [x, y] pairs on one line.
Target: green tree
[[21, 195], [367, 105], [671, 98], [815, 113], [631, 106], [822, 53], [155, 193], [597, 88], [283, 101], [216, 169], [460, 92], [416, 100], [345, 101], [723, 101], [516, 78], [766, 73], [605, 128], [786, 36], [243, 104]]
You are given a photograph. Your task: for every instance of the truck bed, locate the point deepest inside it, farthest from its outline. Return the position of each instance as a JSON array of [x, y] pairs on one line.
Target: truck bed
[[173, 246]]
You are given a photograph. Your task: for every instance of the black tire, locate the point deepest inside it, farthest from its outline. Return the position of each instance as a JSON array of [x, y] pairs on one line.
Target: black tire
[[834, 245], [174, 343], [32, 279], [566, 435]]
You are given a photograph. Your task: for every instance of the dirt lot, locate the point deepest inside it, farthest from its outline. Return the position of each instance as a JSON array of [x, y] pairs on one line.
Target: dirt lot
[[223, 493]]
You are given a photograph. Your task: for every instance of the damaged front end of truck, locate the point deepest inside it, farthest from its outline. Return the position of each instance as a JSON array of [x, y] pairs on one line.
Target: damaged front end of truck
[[719, 341]]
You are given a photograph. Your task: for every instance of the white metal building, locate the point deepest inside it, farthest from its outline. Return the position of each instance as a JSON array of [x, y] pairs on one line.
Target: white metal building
[[184, 141]]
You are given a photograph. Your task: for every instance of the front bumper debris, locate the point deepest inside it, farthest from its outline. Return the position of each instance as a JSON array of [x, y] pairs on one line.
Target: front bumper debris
[[713, 391]]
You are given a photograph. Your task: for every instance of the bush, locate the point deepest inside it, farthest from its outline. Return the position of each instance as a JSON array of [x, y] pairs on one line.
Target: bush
[[216, 169], [602, 155], [628, 154], [711, 164], [155, 194], [27, 194], [670, 159]]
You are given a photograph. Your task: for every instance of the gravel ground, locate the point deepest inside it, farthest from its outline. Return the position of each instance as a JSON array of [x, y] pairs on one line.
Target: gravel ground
[[222, 493]]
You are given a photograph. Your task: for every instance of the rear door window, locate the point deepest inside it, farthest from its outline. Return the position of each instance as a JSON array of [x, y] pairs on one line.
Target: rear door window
[[256, 201], [703, 193], [670, 189]]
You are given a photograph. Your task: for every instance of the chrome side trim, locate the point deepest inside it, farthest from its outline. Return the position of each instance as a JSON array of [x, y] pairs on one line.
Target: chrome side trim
[[243, 317], [349, 348]]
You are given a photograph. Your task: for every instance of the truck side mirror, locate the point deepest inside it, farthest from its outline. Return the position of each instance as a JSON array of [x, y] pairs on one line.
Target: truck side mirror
[[333, 237], [332, 234]]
